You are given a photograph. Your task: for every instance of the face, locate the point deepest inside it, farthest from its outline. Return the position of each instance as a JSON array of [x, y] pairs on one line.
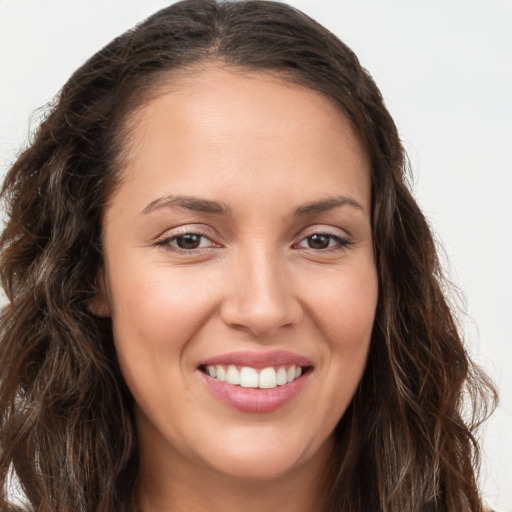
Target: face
[[239, 272]]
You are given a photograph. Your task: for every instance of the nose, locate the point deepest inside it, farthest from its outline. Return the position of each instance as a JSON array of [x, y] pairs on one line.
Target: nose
[[261, 297]]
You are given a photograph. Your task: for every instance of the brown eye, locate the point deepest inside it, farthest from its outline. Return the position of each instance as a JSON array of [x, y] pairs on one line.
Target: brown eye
[[324, 242], [318, 241], [188, 241]]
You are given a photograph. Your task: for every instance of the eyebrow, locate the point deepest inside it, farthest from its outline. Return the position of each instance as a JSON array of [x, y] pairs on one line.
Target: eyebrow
[[215, 207], [190, 203], [326, 205]]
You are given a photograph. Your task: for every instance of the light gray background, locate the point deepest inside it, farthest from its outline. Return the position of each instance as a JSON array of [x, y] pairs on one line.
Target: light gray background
[[445, 69]]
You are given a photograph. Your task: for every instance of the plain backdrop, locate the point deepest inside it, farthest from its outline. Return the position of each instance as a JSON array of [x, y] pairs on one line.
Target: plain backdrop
[[445, 70]]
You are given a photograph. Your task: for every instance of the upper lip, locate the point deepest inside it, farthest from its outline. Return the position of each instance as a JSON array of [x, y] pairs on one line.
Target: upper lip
[[258, 359]]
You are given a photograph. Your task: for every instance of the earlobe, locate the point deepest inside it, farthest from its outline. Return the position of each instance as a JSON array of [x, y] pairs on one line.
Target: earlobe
[[100, 303]]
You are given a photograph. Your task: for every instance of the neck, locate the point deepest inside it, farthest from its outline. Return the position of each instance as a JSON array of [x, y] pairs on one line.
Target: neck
[[218, 494]]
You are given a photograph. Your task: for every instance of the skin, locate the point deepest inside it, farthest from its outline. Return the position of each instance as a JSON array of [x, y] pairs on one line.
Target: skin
[[262, 148]]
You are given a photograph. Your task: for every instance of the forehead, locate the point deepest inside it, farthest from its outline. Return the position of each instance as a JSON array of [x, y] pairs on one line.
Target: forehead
[[214, 124]]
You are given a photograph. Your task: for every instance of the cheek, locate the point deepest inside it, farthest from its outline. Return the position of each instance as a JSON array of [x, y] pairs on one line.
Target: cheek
[[154, 315], [158, 303], [344, 307], [345, 313], [348, 333]]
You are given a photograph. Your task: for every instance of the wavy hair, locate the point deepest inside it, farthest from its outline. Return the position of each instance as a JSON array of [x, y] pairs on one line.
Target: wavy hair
[[407, 441]]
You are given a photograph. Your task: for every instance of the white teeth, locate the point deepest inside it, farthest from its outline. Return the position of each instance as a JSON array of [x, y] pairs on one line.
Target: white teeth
[[248, 377], [268, 378], [281, 376], [221, 373], [232, 375]]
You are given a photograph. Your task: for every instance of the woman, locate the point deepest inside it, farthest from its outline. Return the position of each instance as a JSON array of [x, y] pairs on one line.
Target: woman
[[222, 295]]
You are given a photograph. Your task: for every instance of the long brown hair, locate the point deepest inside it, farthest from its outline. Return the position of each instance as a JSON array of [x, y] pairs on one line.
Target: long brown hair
[[407, 441]]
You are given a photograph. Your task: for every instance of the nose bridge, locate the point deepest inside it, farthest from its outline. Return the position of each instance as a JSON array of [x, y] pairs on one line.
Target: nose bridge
[[262, 298]]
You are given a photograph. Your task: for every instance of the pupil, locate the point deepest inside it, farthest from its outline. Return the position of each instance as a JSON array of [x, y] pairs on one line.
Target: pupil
[[318, 241], [189, 241]]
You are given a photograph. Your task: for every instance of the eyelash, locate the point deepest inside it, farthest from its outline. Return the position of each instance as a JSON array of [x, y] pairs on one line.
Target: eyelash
[[340, 242], [166, 243]]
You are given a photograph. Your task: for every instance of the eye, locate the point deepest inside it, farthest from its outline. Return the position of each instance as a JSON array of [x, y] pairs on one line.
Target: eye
[[186, 242], [323, 241]]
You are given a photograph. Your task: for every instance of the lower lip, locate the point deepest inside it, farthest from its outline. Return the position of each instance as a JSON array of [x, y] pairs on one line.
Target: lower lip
[[255, 399]]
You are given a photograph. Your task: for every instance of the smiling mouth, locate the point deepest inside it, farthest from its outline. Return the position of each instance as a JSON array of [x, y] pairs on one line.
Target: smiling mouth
[[261, 378]]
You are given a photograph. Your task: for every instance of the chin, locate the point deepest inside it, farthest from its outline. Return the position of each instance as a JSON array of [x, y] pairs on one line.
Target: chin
[[257, 466], [262, 457]]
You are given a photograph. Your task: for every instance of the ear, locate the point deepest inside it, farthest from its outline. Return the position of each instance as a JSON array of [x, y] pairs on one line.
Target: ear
[[100, 304]]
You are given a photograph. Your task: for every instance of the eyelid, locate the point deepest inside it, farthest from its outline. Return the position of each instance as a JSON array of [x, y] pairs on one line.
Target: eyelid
[[323, 229], [198, 229]]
